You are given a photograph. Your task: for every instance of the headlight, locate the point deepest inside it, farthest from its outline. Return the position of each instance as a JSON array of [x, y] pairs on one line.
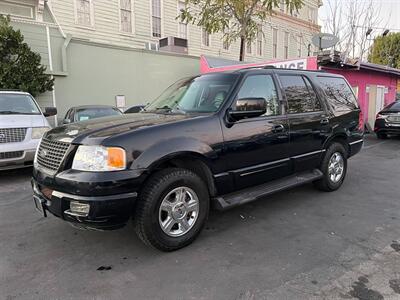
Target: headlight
[[36, 153], [37, 132], [99, 159]]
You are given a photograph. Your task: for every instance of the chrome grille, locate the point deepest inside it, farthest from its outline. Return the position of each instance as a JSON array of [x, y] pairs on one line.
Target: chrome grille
[[12, 135], [51, 154], [9, 155]]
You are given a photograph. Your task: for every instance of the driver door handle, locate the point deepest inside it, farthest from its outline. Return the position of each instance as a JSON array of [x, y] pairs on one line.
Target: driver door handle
[[325, 121]]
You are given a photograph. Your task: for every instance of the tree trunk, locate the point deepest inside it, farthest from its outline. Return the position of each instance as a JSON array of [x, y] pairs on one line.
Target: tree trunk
[[242, 48]]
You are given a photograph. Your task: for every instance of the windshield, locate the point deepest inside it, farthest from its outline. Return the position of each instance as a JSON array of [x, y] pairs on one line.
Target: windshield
[[201, 94], [18, 104], [98, 112]]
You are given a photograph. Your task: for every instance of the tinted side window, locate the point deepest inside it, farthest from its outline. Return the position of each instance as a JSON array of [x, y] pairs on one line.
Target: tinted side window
[[338, 92], [300, 94], [261, 86], [67, 115], [313, 96]]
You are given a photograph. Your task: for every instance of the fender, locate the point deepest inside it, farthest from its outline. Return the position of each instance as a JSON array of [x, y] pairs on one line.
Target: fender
[[336, 134], [168, 148]]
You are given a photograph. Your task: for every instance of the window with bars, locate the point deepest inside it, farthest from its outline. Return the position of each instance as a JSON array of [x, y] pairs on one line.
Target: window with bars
[[282, 5], [84, 12], [286, 45], [156, 18], [249, 49], [225, 44], [312, 15], [299, 45], [205, 37], [259, 43], [14, 9], [126, 15], [182, 27], [274, 42]]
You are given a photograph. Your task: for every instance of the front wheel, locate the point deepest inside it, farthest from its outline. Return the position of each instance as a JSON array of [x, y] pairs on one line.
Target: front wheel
[[172, 209], [334, 168]]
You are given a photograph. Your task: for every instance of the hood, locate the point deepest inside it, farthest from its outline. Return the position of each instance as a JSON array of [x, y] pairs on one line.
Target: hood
[[99, 129], [22, 121]]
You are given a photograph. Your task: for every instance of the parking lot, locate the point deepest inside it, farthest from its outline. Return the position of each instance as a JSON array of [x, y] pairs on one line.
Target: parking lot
[[297, 244]]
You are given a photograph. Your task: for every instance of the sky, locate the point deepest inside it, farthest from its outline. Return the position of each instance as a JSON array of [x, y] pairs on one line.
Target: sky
[[389, 12]]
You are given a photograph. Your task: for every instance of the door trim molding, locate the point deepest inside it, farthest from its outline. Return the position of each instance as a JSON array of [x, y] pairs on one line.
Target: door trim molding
[[267, 165], [356, 142], [309, 154]]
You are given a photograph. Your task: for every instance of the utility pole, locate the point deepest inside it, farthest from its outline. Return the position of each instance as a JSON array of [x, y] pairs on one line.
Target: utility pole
[[354, 39]]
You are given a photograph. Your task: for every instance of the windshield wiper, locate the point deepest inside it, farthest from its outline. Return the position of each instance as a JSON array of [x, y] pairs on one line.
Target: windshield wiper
[[168, 109]]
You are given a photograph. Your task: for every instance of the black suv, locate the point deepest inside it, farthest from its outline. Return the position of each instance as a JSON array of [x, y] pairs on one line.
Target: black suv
[[221, 140]]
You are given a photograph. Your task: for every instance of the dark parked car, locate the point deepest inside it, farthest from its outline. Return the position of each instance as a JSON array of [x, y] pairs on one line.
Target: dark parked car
[[220, 140], [88, 112], [134, 109], [388, 121]]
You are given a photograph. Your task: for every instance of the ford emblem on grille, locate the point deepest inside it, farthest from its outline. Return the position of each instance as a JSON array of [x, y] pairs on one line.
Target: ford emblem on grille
[[2, 136]]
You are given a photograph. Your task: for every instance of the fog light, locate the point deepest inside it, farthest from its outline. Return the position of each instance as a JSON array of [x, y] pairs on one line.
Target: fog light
[[78, 208]]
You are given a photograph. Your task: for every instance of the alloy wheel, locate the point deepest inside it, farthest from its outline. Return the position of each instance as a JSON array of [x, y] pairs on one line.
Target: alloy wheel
[[179, 211], [336, 167]]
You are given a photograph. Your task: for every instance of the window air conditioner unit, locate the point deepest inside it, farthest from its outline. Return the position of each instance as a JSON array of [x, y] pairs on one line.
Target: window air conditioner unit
[[174, 44], [151, 46]]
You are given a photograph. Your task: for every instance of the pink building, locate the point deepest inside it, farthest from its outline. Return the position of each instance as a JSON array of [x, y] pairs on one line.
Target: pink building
[[375, 86]]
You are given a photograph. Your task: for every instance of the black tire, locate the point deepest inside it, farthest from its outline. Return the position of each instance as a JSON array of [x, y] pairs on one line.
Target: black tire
[[325, 183], [146, 216], [381, 136]]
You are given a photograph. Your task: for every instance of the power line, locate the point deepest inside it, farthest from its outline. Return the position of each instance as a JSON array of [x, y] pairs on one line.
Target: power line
[[377, 28]]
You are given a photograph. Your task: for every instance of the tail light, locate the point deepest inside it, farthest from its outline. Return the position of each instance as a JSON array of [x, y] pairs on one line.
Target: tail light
[[361, 121], [380, 116]]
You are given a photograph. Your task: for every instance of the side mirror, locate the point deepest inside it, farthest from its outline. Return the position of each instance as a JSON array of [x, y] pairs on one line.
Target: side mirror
[[248, 108], [50, 111], [66, 121]]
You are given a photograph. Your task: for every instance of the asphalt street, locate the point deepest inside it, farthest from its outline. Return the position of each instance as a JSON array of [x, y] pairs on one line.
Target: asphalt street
[[298, 244]]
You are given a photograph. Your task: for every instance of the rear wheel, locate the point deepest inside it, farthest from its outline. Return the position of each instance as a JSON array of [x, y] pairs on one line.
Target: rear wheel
[[381, 136], [172, 209], [334, 168]]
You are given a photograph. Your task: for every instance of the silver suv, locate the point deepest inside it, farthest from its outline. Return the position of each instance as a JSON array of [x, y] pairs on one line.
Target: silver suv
[[22, 125]]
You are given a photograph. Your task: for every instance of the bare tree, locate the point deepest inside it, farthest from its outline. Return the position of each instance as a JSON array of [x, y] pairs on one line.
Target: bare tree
[[350, 21]]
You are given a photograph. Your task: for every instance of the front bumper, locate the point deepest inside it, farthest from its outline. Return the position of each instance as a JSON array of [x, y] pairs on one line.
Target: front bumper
[[21, 161], [105, 213]]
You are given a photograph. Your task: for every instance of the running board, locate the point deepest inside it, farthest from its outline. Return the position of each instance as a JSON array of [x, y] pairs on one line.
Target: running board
[[247, 195]]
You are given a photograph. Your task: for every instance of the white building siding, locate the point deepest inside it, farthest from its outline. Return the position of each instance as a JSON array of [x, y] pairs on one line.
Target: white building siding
[[106, 28]]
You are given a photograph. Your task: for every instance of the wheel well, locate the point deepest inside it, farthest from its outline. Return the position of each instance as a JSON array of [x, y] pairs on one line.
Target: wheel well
[[193, 164], [342, 139]]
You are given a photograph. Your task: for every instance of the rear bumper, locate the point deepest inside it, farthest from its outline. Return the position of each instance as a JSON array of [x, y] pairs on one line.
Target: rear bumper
[[355, 147], [105, 212], [381, 126]]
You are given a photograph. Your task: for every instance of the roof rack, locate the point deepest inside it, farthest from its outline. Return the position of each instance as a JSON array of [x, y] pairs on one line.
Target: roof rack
[[10, 90], [258, 67]]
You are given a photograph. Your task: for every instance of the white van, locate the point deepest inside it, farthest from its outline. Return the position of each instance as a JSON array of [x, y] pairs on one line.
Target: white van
[[22, 125]]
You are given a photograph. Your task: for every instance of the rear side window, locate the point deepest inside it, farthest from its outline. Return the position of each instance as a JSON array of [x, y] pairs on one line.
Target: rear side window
[[338, 92], [300, 94], [393, 106]]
